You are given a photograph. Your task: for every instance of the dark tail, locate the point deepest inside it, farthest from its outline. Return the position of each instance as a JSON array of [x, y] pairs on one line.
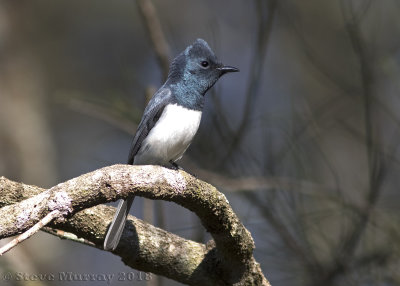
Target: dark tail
[[117, 225]]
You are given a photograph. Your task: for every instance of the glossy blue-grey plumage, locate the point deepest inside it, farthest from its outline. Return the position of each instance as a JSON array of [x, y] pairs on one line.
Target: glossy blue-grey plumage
[[171, 118]]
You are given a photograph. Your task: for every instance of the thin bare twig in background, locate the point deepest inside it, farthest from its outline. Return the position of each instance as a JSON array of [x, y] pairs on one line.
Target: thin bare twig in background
[[157, 37], [109, 115], [265, 15], [375, 169], [282, 230], [320, 69], [351, 238]]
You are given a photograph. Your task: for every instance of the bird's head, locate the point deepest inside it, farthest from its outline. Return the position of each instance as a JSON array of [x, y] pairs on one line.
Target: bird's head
[[197, 68]]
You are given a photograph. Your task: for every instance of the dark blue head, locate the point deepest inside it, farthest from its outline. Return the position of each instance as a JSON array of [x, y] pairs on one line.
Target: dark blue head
[[194, 71]]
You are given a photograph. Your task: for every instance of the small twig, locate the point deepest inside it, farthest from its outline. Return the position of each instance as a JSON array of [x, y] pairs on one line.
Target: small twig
[[68, 236], [44, 221]]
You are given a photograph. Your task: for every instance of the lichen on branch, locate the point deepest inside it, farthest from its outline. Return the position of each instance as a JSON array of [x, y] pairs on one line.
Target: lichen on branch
[[228, 260]]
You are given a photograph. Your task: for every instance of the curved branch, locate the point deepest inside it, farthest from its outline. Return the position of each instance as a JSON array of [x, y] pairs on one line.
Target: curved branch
[[143, 246]]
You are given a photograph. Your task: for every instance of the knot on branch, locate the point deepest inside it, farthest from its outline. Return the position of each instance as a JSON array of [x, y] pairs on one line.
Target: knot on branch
[[61, 203]]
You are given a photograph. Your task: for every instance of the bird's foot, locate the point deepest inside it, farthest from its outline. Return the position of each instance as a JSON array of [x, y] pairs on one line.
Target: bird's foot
[[175, 166]]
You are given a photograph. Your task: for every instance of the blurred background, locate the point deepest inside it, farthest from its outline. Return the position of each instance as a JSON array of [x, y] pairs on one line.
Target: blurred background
[[304, 141]]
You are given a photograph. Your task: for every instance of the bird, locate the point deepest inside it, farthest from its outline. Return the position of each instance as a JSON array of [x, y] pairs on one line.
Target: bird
[[171, 119]]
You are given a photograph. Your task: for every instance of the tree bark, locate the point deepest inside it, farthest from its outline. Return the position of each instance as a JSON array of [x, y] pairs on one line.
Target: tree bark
[[226, 260]]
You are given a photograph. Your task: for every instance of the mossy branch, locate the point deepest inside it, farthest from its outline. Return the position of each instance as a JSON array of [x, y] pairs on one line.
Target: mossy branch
[[227, 260]]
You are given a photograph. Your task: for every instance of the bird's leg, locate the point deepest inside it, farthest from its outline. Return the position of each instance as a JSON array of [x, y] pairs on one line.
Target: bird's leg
[[175, 166]]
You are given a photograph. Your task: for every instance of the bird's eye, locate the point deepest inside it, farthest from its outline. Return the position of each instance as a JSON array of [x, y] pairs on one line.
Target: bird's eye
[[204, 64]]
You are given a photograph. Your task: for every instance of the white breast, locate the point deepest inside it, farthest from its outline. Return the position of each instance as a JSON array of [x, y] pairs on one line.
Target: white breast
[[170, 137]]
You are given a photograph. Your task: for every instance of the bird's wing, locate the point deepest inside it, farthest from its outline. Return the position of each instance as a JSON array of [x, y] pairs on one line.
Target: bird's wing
[[150, 117]]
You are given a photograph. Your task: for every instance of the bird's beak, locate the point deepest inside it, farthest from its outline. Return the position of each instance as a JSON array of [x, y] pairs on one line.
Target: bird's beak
[[226, 69]]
